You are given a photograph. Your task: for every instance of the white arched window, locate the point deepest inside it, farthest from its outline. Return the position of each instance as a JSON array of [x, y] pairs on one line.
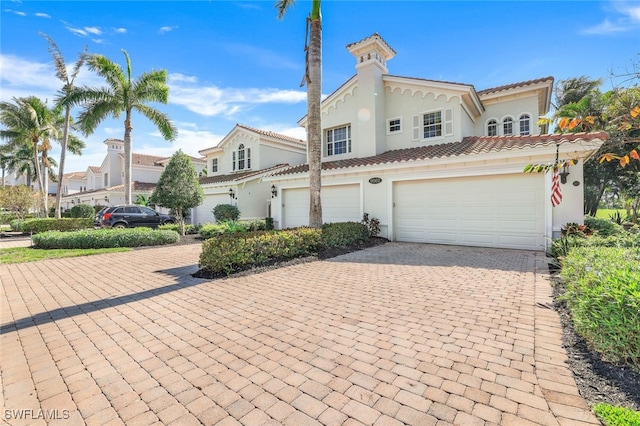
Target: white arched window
[[507, 126], [492, 128], [525, 124], [242, 158]]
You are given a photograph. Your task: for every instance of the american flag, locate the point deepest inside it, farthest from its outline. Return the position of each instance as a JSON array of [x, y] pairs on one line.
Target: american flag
[[556, 195]]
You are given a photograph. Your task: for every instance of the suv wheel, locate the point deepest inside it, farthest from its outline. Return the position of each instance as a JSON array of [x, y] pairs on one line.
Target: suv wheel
[[119, 225]]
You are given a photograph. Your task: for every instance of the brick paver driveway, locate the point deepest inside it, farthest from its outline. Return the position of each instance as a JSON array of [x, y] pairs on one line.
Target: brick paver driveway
[[402, 333]]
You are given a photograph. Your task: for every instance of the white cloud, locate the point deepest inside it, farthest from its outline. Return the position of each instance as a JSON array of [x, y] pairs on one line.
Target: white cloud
[[93, 30], [77, 31], [625, 17], [212, 101], [606, 27], [632, 12], [20, 77], [176, 77], [43, 15], [167, 29], [120, 30], [190, 140]]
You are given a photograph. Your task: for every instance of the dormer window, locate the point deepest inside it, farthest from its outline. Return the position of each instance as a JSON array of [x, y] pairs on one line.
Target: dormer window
[[492, 128], [525, 124], [507, 126], [433, 124], [338, 140], [214, 165], [394, 125], [242, 158]]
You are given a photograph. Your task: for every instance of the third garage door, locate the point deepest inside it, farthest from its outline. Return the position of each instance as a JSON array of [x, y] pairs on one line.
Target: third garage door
[[340, 203], [487, 211]]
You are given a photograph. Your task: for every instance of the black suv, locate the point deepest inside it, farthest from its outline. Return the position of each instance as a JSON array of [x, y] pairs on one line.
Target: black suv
[[131, 215]]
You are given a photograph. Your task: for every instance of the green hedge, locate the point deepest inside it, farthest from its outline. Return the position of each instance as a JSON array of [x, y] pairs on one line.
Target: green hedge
[[105, 238], [344, 234], [50, 224], [229, 252], [209, 230], [188, 228], [603, 227], [603, 294]]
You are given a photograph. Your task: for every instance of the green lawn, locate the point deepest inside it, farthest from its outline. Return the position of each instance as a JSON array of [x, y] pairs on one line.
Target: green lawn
[[28, 254], [607, 213]]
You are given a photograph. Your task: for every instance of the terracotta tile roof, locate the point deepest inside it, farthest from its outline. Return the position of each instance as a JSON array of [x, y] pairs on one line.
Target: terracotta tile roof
[[236, 177], [135, 186], [374, 35], [113, 140], [75, 175], [145, 160], [468, 146], [273, 134], [95, 169], [515, 85], [432, 81]]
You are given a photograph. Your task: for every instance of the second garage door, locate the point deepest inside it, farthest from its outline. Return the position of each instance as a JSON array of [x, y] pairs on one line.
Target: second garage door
[[340, 203], [490, 211]]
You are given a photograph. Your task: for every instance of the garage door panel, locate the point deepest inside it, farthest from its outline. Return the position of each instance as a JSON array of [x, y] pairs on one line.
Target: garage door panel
[[340, 203], [492, 211]]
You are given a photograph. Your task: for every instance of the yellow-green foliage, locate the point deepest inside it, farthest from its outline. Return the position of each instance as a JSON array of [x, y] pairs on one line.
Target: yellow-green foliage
[[616, 416], [603, 293]]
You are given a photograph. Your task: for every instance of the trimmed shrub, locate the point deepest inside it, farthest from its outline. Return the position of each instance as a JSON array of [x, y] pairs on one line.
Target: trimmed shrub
[[50, 224], [603, 294], [563, 246], [188, 228], [604, 227], [232, 252], [82, 210], [16, 225], [254, 224], [105, 238], [225, 213], [344, 234]]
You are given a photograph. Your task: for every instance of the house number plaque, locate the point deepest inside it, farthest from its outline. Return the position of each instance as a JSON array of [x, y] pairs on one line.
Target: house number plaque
[[375, 180]]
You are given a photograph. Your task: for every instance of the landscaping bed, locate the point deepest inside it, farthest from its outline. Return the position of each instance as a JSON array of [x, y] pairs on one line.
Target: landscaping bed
[[597, 380]]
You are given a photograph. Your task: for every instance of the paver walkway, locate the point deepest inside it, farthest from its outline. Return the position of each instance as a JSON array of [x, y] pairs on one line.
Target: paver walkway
[[397, 334]]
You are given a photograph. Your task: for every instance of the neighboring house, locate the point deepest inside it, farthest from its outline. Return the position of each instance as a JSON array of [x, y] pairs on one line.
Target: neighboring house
[[104, 185], [437, 162], [236, 166], [73, 183]]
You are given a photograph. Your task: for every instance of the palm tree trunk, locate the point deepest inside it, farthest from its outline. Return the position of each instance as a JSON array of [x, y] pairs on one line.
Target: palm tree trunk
[[38, 168], [127, 158], [314, 126], [63, 157]]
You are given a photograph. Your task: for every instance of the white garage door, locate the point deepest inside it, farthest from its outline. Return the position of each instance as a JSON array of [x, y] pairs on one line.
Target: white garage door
[[340, 203], [204, 212], [494, 211]]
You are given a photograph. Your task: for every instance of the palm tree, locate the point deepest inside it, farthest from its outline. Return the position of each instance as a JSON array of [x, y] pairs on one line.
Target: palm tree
[[68, 81], [122, 94], [313, 79], [28, 121]]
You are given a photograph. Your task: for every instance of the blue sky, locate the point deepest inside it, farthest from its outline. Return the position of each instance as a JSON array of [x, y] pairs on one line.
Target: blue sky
[[234, 62]]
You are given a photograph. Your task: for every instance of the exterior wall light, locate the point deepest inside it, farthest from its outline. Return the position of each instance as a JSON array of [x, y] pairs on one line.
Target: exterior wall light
[[232, 194], [274, 191], [564, 174]]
